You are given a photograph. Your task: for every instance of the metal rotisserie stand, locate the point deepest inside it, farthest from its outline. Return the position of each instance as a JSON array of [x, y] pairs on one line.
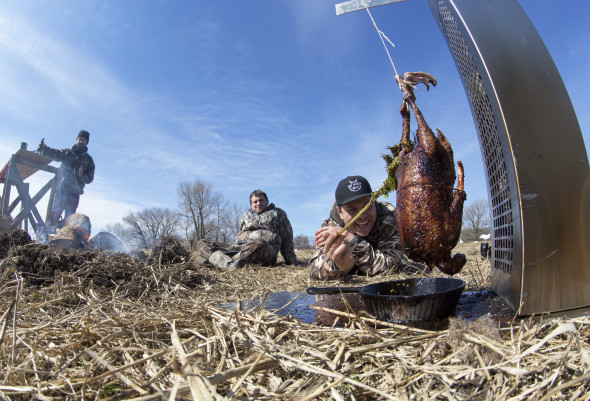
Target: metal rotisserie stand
[[539, 192], [537, 170]]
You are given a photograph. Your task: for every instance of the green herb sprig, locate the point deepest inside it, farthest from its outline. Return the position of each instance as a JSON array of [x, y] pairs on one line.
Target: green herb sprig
[[389, 185]]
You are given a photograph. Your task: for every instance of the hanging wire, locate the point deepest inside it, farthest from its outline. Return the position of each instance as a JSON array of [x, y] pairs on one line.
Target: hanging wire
[[383, 37]]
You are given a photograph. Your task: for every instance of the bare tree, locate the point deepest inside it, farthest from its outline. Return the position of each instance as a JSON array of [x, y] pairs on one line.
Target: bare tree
[[119, 229], [231, 222], [303, 241], [476, 218], [148, 225], [196, 206], [205, 213], [217, 228]]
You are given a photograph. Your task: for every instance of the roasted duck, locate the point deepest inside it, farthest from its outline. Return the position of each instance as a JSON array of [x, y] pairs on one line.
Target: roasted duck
[[429, 209]]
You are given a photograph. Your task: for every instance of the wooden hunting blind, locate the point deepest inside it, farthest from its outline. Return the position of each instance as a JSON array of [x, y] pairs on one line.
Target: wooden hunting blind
[[22, 165]]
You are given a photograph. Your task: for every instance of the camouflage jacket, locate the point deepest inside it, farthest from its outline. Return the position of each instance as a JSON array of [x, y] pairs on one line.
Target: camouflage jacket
[[71, 160], [272, 226], [376, 253]]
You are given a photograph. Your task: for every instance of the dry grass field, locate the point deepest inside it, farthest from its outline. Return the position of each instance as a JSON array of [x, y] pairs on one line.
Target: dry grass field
[[89, 326]]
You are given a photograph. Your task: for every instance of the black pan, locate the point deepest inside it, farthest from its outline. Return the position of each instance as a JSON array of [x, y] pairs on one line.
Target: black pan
[[413, 299]]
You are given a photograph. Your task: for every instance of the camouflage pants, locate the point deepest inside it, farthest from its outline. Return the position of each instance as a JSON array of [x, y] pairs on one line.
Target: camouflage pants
[[63, 201], [249, 252]]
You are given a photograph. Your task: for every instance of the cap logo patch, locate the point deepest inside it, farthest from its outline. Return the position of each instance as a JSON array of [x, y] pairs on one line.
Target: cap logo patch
[[354, 186]]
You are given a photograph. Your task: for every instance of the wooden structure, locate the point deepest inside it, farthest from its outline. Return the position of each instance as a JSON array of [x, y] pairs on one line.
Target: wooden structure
[[22, 165]]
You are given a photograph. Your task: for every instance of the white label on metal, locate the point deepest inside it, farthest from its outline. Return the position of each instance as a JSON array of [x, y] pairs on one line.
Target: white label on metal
[[356, 5]]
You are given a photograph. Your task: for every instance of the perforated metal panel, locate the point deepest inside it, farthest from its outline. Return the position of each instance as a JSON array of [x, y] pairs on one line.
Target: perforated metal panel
[[501, 205], [540, 219]]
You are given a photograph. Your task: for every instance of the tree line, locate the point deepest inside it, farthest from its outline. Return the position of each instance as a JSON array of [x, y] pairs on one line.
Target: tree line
[[201, 213]]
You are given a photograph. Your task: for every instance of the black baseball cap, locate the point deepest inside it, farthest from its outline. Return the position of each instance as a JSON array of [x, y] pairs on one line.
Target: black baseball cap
[[352, 188]]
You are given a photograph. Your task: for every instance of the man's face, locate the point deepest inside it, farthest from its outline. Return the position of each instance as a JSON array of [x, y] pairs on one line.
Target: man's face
[[81, 142], [364, 224], [258, 203]]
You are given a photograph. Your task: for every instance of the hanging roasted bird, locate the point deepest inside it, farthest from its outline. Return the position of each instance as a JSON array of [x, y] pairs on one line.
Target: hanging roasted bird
[[429, 208]]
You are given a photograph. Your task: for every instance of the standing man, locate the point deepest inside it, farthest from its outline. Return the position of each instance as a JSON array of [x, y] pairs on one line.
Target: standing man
[[76, 170], [370, 246], [265, 231]]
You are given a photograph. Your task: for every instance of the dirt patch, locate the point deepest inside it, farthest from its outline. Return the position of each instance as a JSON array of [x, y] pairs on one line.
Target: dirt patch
[[43, 266], [169, 250], [14, 239]]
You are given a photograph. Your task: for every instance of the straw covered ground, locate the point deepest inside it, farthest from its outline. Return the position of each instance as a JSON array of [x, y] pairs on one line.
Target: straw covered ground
[[91, 326]]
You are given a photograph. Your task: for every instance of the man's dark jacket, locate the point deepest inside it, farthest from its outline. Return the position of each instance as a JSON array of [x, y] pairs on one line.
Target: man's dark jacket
[[71, 160]]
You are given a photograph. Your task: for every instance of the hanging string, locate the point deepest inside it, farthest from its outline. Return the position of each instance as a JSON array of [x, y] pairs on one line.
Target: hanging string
[[385, 187], [382, 36]]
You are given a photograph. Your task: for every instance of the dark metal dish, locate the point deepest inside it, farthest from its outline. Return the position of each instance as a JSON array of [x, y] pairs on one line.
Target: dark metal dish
[[413, 299]]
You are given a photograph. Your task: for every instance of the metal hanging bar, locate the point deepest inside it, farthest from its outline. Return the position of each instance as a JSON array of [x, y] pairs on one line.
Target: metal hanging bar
[[356, 5]]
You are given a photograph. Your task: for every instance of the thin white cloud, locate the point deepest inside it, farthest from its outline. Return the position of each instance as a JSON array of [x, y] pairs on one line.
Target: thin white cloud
[[75, 76]]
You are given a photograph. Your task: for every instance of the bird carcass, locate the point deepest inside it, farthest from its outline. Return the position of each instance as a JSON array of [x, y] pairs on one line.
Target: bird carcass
[[429, 208]]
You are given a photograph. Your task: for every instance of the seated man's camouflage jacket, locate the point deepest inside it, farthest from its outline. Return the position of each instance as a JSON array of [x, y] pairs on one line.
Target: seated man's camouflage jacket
[[271, 226]]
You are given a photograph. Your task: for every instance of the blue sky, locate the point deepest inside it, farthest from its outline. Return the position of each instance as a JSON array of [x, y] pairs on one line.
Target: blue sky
[[279, 95]]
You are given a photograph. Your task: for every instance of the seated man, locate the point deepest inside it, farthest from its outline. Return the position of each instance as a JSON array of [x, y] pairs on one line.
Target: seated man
[[370, 246], [264, 231]]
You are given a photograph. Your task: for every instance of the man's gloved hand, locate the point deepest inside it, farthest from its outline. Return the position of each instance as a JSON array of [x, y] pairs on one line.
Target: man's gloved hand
[[42, 145]]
